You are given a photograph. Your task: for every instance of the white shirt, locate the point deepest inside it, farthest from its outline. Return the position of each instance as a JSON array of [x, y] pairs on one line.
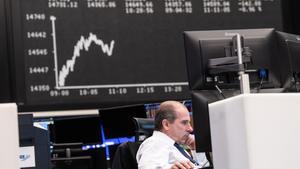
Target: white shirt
[[158, 152]]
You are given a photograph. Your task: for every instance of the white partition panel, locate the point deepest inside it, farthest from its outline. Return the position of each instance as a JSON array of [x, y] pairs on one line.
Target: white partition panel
[[256, 131], [9, 142]]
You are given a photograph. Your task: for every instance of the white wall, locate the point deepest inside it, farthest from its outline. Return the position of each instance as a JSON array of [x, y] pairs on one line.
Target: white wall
[[9, 137]]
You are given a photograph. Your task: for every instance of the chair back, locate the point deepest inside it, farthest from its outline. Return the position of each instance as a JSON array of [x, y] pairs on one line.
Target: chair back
[[144, 128], [125, 156]]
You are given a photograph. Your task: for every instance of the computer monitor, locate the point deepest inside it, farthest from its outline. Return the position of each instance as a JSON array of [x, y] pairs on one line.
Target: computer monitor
[[83, 130], [289, 51], [200, 115], [201, 123], [205, 49], [118, 122], [32, 136], [294, 58], [292, 82], [267, 51]]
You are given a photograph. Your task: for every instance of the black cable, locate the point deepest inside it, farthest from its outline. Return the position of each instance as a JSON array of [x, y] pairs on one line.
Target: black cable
[[220, 91], [260, 85]]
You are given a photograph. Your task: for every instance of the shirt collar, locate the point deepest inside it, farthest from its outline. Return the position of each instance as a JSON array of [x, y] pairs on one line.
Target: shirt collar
[[164, 137]]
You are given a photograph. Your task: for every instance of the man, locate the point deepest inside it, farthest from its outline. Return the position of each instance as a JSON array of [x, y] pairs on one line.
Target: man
[[161, 150]]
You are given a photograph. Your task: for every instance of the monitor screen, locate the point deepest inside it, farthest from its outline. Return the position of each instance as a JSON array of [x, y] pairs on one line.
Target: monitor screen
[[292, 78], [204, 48], [5, 85], [76, 130], [289, 49], [294, 58], [118, 122], [201, 122]]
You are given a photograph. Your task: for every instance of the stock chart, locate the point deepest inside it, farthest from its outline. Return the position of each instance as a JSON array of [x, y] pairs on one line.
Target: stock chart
[[116, 51]]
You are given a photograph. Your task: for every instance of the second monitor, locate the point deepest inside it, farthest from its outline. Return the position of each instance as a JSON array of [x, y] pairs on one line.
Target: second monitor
[[205, 49]]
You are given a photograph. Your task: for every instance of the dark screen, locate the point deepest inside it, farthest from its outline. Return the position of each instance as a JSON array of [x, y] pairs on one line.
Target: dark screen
[[294, 55], [289, 49], [292, 83], [201, 46], [94, 53], [119, 122], [5, 93], [201, 122], [76, 130]]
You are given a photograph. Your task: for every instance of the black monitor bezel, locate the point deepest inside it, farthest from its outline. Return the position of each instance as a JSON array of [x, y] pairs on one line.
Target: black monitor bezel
[[194, 59]]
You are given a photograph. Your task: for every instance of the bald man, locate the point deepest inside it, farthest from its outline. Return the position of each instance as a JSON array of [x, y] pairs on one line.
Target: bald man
[[162, 150]]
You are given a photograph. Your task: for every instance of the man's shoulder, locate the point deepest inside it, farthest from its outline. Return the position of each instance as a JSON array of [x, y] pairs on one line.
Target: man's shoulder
[[151, 140], [155, 143]]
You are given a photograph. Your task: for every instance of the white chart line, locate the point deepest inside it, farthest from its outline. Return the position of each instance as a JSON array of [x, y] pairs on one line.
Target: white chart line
[[58, 87], [82, 44], [53, 18]]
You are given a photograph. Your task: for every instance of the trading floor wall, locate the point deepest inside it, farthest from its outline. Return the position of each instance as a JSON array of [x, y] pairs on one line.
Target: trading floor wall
[[115, 56]]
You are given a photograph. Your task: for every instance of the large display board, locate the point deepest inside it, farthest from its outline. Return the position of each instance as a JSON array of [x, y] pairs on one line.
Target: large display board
[[5, 94], [106, 52]]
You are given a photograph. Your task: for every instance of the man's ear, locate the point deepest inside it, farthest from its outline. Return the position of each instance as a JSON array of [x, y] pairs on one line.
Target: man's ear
[[165, 124]]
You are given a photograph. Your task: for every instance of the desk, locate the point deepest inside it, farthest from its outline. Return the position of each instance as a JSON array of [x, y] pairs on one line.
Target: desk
[[256, 131]]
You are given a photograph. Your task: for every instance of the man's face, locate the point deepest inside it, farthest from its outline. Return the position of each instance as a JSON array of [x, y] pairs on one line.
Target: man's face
[[180, 129]]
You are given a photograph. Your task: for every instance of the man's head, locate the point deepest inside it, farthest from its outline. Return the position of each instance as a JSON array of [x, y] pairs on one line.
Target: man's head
[[173, 119]]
